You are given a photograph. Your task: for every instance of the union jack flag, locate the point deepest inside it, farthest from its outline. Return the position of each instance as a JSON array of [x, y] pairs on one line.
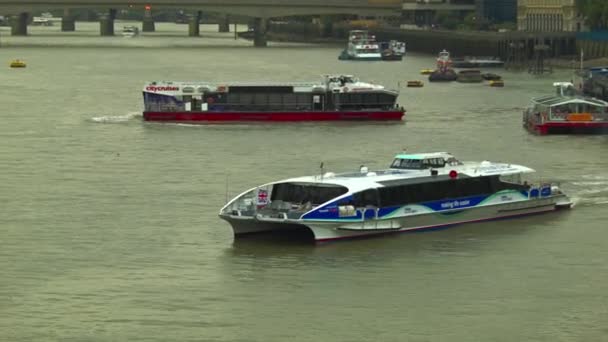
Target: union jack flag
[[262, 196]]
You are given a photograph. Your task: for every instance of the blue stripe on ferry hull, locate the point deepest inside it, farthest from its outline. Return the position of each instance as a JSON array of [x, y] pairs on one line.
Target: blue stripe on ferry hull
[[437, 227]]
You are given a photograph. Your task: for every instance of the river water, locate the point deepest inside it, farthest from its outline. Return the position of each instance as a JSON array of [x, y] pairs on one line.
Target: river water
[[109, 227]]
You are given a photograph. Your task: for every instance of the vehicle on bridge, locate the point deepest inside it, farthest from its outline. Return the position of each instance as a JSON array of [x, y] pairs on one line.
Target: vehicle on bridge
[[335, 98]]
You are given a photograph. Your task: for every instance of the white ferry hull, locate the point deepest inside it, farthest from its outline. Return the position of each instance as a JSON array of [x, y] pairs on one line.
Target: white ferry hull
[[439, 220], [334, 230]]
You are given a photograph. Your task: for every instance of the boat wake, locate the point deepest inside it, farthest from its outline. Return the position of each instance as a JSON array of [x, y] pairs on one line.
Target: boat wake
[[116, 118], [592, 190]]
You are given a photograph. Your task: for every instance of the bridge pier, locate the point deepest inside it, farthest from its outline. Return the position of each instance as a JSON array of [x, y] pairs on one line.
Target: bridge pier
[[148, 22], [68, 22], [224, 24], [259, 32], [194, 21], [19, 24], [106, 23], [326, 26]]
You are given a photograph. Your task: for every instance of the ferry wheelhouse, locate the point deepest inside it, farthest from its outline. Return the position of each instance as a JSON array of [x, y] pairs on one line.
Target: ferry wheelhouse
[[566, 112], [363, 46], [336, 97], [417, 192]]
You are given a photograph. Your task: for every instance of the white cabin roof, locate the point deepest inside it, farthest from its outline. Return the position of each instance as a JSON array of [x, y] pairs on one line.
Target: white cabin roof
[[335, 83], [358, 180]]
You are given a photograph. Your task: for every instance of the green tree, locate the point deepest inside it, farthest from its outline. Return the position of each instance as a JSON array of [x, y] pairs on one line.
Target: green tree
[[447, 19], [595, 12]]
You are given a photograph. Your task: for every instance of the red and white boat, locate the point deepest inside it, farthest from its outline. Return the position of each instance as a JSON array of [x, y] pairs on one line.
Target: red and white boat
[[335, 98], [566, 112]]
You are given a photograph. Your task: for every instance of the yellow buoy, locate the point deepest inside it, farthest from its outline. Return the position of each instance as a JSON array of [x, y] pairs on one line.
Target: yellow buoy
[[497, 83], [17, 63], [426, 71], [415, 84]]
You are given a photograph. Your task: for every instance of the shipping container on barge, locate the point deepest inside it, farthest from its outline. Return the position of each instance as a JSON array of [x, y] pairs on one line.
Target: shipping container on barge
[[334, 98]]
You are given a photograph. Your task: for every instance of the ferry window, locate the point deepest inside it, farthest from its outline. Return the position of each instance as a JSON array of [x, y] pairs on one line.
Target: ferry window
[[370, 99], [295, 193], [356, 99], [441, 190], [413, 164], [366, 198]]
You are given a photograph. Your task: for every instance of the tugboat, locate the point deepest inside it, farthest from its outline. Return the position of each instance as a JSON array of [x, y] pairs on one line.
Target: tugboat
[[335, 97], [418, 191], [566, 112], [444, 71], [361, 47]]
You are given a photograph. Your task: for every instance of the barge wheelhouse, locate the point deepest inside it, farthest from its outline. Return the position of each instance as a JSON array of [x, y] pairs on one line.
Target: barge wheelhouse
[[566, 112], [417, 192], [336, 97]]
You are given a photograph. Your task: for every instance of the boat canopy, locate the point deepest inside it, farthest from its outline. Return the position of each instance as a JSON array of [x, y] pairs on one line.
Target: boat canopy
[[552, 101]]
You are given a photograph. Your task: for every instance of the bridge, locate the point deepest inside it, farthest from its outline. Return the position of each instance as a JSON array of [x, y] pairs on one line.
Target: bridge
[[260, 10], [252, 8]]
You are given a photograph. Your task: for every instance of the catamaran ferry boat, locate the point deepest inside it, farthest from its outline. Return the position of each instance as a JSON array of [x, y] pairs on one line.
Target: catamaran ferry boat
[[336, 97], [566, 112], [417, 192]]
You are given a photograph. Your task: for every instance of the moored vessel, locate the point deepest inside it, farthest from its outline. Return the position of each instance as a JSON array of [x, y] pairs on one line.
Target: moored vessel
[[469, 76], [130, 31], [566, 112], [418, 192], [478, 62], [334, 98], [392, 50], [362, 46]]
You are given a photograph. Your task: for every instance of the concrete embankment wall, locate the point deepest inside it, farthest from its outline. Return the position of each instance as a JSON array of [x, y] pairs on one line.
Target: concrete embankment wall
[[459, 43]]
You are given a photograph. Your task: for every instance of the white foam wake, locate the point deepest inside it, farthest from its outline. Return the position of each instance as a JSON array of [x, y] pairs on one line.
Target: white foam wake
[[116, 118]]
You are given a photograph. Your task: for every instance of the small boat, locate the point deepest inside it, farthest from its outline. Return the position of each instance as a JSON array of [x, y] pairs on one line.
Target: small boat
[[362, 46], [388, 55], [426, 71], [478, 62], [130, 31], [392, 50], [491, 77], [497, 83], [17, 63], [419, 191], [448, 75], [415, 84], [333, 98], [566, 112], [469, 76], [595, 82]]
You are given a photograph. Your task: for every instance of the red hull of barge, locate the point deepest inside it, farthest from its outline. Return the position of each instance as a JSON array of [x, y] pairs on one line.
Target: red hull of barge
[[202, 117], [569, 128]]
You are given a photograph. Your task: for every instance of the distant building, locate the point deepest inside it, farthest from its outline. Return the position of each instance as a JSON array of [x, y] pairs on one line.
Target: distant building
[[423, 12], [548, 16], [497, 11]]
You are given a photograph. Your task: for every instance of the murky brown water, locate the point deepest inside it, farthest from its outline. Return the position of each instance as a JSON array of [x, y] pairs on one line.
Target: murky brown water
[[109, 227]]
